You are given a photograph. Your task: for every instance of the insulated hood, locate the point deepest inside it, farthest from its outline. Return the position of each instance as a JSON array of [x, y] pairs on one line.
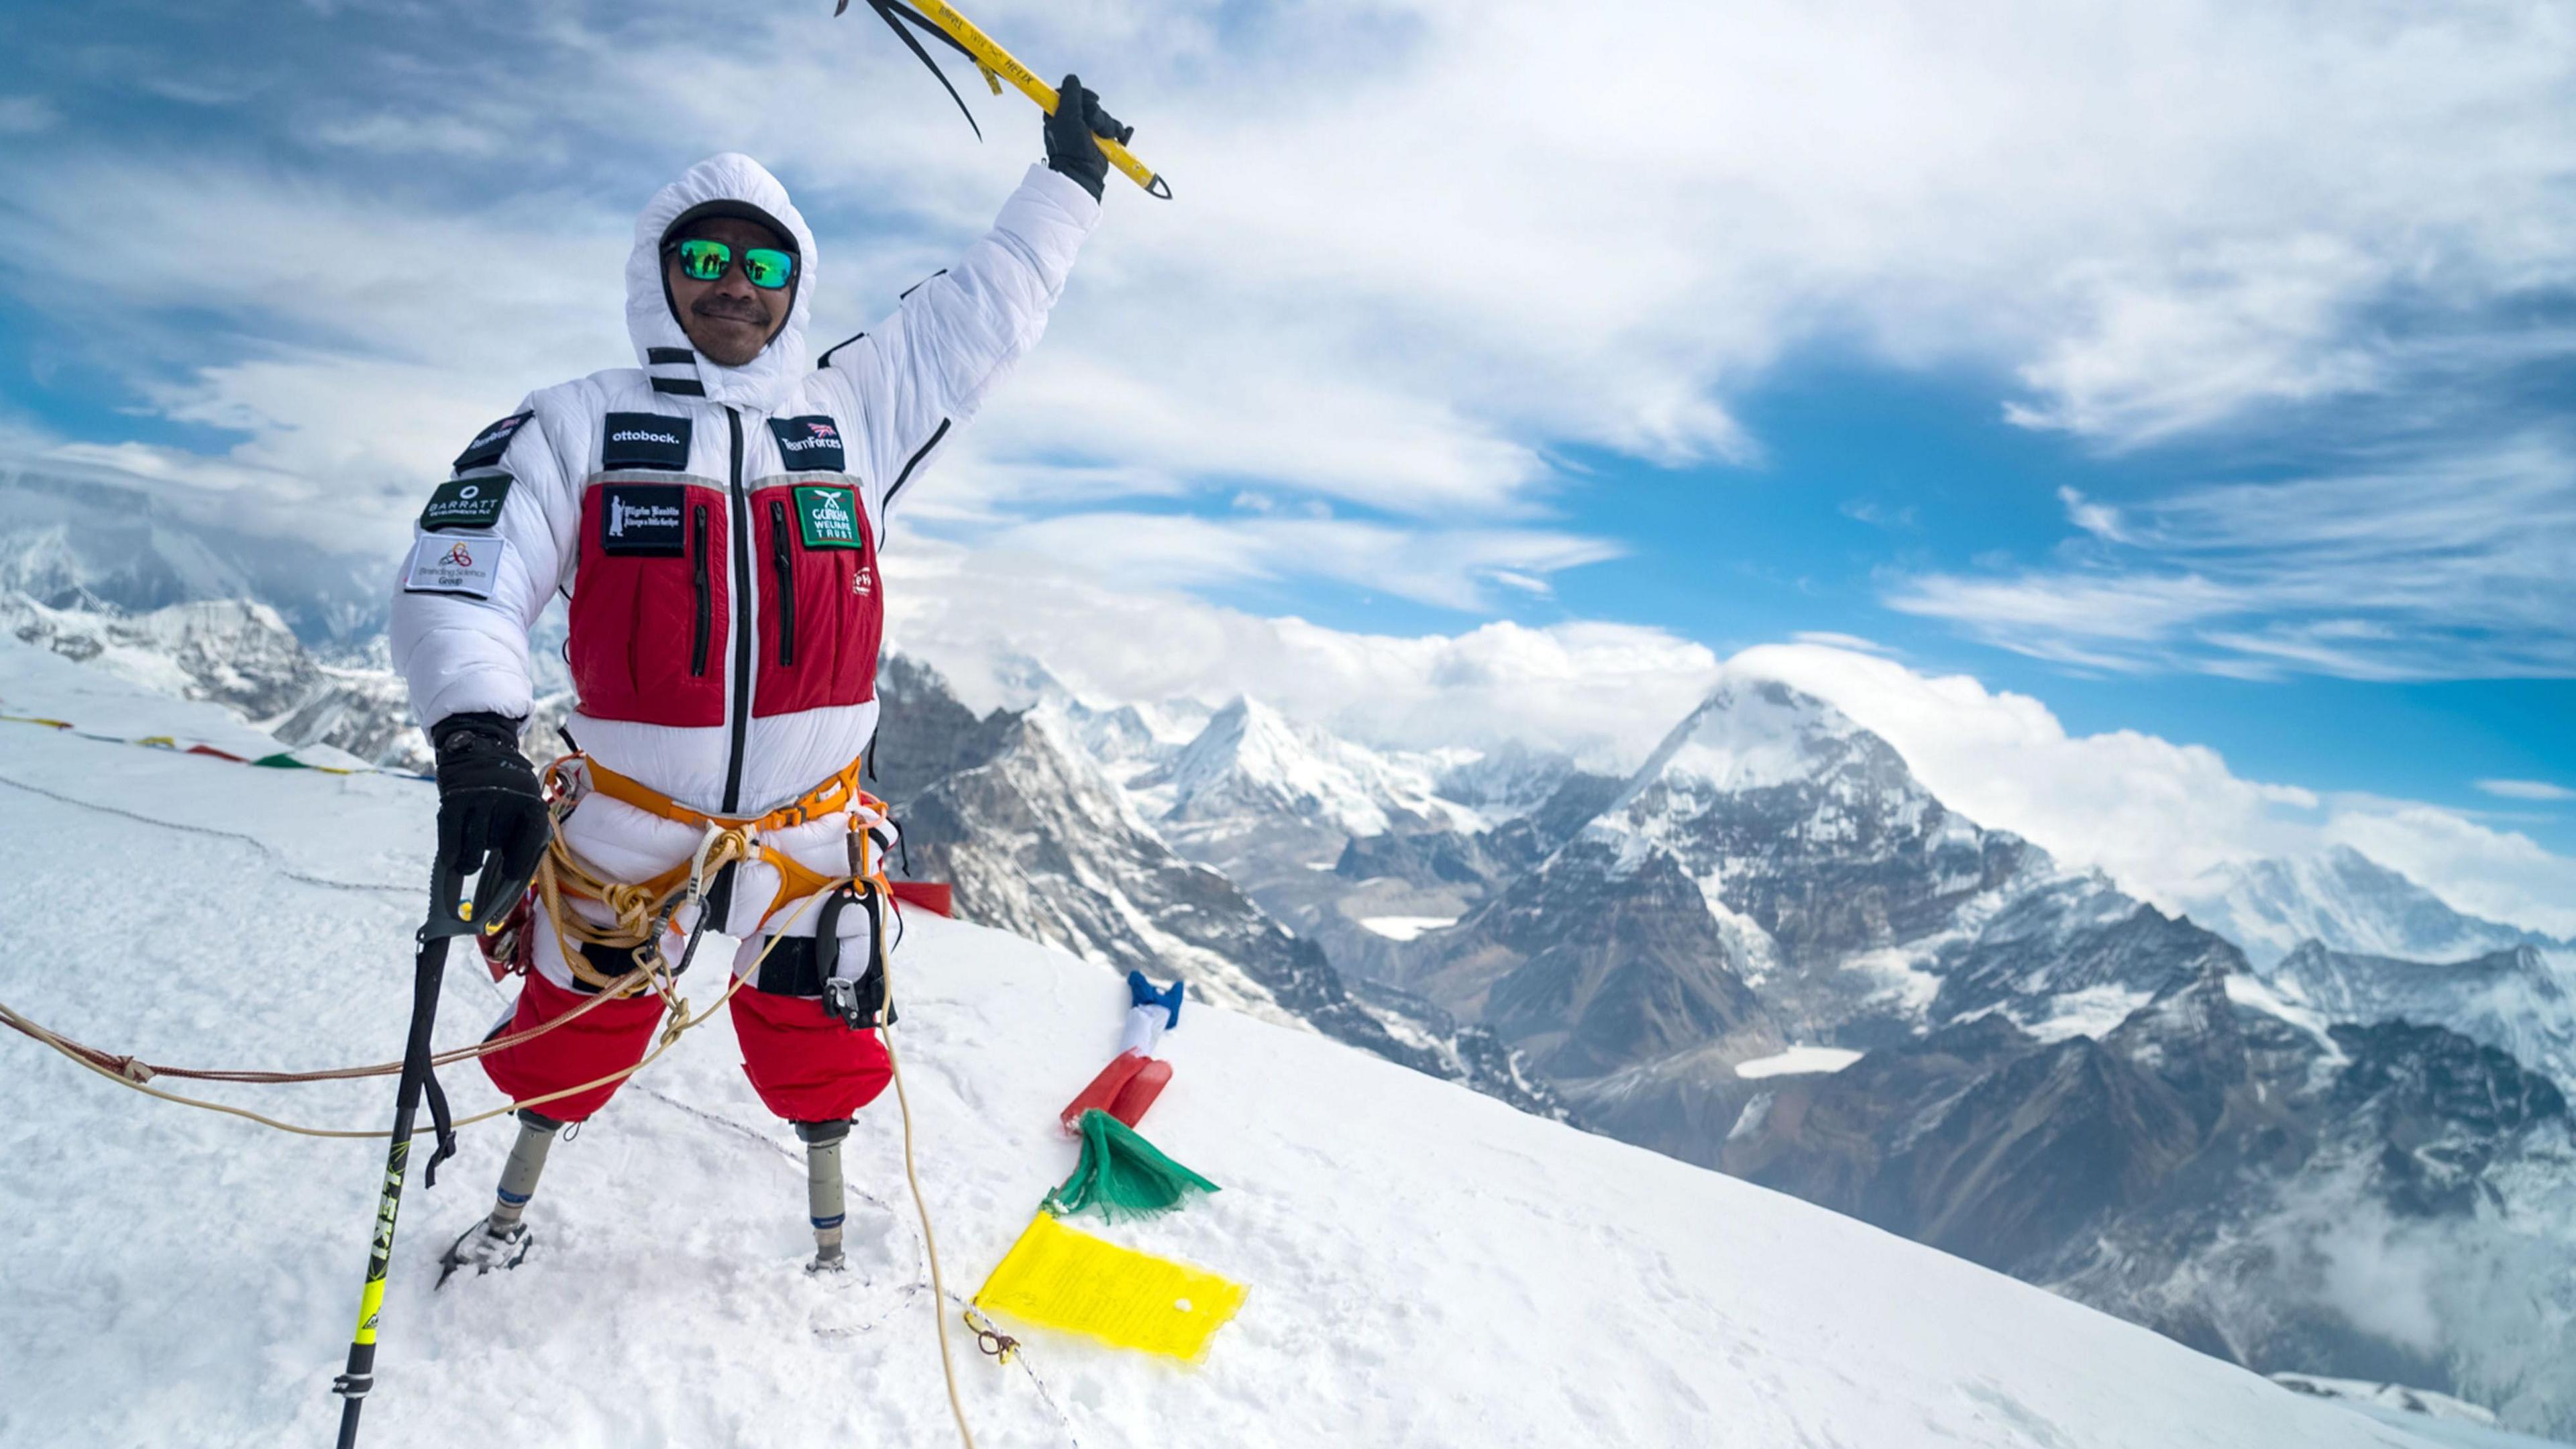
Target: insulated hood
[[659, 340]]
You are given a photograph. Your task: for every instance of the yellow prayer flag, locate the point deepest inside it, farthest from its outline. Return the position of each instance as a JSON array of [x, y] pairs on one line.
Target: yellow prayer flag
[[1060, 1277]]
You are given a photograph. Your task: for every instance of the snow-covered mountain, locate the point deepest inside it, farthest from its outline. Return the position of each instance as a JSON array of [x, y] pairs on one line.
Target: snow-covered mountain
[[1523, 1283], [2347, 902], [2521, 999], [1252, 768], [95, 540], [237, 654], [1036, 839], [2393, 1199]]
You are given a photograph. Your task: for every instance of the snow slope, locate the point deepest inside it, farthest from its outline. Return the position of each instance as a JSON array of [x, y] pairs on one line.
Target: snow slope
[[1428, 1267]]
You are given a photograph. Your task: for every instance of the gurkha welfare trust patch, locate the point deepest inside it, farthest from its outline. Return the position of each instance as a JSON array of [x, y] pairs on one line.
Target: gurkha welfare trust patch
[[809, 445], [465, 566], [830, 516], [644, 440], [643, 519], [466, 503]]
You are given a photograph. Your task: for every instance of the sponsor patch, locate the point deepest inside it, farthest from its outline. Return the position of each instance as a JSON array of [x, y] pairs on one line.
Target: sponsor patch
[[643, 518], [645, 440], [466, 503], [829, 516], [454, 564], [810, 445], [491, 443]]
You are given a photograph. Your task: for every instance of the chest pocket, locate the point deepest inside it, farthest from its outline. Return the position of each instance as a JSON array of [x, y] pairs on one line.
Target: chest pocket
[[651, 603], [822, 604]]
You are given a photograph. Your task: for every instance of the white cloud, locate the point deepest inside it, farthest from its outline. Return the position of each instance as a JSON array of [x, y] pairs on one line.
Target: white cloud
[[2527, 790], [2449, 565], [1605, 692], [1423, 245], [27, 115], [2152, 813]]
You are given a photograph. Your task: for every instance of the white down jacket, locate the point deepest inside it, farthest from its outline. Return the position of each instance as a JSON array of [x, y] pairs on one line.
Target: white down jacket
[[716, 527], [716, 531]]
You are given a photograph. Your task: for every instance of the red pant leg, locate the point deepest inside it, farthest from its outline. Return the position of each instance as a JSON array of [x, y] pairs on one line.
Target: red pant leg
[[806, 1065], [614, 1036]]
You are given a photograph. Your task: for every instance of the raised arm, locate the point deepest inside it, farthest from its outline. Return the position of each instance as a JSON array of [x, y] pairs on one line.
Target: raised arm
[[919, 375]]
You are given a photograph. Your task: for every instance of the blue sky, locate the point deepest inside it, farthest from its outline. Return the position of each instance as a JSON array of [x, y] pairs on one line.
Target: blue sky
[[2203, 374]]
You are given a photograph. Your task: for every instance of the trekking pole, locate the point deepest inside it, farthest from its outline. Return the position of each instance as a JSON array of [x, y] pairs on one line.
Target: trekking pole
[[997, 65], [450, 916]]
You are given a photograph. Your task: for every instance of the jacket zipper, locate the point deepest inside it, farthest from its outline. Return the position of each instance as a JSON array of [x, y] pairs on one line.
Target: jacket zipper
[[698, 651], [785, 568], [742, 635]]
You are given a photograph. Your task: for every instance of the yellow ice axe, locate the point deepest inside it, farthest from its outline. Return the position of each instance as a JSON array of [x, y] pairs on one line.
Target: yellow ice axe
[[960, 34]]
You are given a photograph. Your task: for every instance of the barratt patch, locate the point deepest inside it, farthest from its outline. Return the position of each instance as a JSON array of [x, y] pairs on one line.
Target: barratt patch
[[643, 519], [491, 443], [466, 503], [461, 565], [645, 440], [829, 516], [809, 445]]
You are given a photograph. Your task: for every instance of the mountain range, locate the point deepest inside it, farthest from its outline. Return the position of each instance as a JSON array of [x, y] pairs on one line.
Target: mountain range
[[2316, 1125]]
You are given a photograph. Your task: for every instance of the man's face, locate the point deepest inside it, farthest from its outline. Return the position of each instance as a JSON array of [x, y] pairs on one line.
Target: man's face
[[728, 319]]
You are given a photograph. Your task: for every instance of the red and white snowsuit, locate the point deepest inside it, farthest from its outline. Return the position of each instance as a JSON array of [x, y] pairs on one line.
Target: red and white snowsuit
[[717, 532]]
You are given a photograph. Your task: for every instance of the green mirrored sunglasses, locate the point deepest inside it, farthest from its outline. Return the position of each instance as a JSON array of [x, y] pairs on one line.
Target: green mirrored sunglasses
[[763, 267]]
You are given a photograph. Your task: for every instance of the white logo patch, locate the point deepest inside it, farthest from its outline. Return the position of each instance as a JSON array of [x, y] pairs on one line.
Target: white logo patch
[[448, 563]]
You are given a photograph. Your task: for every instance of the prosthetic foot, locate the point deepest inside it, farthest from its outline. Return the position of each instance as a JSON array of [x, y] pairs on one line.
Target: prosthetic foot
[[502, 1240]]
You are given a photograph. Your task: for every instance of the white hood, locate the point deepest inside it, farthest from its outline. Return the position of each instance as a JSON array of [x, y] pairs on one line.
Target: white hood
[[765, 379]]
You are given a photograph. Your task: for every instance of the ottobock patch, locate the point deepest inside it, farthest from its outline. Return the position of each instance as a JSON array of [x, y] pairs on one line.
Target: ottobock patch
[[466, 503], [491, 443], [829, 516], [810, 445], [645, 440], [444, 564], [643, 519]]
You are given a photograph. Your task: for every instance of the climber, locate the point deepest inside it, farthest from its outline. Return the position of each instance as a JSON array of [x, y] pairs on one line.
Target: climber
[[715, 517]]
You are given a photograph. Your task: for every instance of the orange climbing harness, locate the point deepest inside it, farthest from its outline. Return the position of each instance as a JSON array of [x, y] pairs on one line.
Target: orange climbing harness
[[642, 911]]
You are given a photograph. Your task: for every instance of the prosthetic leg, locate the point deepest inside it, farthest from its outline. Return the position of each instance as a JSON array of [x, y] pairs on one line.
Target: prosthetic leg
[[823, 1194], [501, 1240]]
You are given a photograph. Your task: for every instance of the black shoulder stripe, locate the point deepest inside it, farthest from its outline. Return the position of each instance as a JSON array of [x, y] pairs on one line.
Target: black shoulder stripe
[[491, 443], [914, 461], [826, 359], [917, 286], [657, 355], [680, 386]]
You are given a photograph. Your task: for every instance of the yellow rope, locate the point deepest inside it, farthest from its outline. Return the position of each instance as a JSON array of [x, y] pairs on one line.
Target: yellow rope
[[929, 1238]]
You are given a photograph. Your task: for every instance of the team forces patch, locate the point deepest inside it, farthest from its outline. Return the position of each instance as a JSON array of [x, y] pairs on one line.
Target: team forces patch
[[645, 440], [810, 445], [466, 503], [643, 519], [491, 443], [829, 516]]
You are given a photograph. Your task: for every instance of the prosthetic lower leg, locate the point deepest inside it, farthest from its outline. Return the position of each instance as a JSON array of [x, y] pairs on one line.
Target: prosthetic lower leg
[[823, 1195], [501, 1240]]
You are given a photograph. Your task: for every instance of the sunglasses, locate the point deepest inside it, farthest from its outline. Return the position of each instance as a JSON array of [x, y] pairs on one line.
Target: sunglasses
[[764, 267]]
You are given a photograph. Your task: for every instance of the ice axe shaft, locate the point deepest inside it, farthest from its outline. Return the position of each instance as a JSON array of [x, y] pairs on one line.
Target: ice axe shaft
[[995, 62]]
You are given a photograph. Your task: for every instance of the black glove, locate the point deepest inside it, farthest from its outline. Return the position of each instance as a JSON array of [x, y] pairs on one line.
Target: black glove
[[491, 813], [1069, 147]]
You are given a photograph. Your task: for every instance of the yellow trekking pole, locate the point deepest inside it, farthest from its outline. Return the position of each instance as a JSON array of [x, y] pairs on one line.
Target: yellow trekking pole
[[941, 20]]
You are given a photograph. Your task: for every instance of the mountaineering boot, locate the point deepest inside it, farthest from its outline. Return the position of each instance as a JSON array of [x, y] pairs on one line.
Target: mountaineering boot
[[502, 1240], [823, 1198]]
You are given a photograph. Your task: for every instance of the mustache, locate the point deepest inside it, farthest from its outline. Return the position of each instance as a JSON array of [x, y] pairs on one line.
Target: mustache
[[730, 309]]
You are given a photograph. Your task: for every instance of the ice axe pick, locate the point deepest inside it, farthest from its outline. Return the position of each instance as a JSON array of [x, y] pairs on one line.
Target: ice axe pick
[[941, 21]]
